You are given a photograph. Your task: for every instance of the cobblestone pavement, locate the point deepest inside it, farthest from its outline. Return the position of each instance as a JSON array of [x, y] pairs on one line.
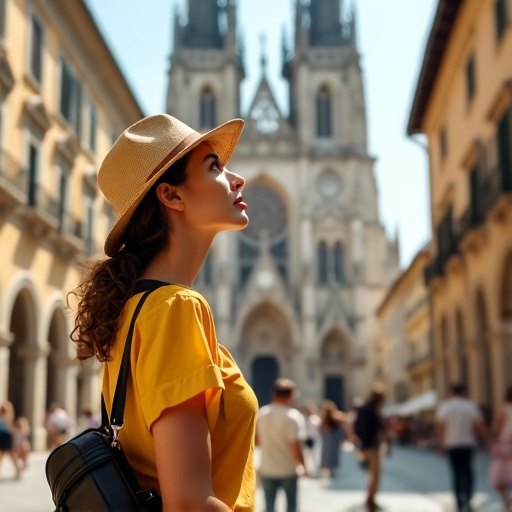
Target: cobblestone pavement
[[412, 481]]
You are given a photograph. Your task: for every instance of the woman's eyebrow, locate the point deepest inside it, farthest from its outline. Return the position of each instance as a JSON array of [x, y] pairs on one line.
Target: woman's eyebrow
[[211, 155]]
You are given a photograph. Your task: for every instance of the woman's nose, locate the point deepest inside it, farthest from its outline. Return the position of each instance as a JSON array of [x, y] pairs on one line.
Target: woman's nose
[[237, 182]]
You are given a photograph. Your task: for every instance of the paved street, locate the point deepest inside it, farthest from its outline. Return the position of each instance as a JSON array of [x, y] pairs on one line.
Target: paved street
[[413, 481]]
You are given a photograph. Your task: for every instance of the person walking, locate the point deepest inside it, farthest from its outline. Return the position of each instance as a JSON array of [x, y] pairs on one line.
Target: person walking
[[6, 435], [459, 425], [370, 434], [21, 441], [279, 433], [311, 442], [189, 417], [500, 469], [58, 424], [332, 433]]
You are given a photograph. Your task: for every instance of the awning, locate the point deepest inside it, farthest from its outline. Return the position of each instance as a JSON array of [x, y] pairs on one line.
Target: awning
[[424, 402]]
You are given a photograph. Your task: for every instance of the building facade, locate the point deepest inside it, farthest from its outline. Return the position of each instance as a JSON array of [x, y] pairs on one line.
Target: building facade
[[402, 356], [463, 104], [63, 101], [294, 293]]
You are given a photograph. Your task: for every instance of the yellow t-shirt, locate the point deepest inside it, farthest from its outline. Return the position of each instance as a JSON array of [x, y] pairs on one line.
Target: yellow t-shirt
[[175, 356]]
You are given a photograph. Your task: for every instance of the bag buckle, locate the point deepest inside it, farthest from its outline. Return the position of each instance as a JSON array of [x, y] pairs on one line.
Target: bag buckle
[[115, 435]]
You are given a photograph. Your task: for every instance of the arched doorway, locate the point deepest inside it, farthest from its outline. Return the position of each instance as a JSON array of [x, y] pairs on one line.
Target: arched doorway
[[334, 352], [23, 354], [483, 356], [265, 370], [58, 360]]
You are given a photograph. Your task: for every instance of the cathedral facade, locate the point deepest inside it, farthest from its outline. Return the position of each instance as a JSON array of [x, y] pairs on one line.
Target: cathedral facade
[[294, 294]]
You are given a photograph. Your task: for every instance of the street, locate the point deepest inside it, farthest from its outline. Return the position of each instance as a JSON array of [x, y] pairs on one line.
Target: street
[[413, 481]]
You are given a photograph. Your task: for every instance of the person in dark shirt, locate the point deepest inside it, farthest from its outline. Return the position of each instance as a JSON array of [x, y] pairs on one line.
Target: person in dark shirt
[[370, 432]]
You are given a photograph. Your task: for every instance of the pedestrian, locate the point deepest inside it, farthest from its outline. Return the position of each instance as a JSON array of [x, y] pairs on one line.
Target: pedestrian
[[280, 431], [459, 424], [331, 433], [92, 420], [312, 421], [21, 441], [500, 470], [371, 437], [189, 418], [6, 435], [58, 425]]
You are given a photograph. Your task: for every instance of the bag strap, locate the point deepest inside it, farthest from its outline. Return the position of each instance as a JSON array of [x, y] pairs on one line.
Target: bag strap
[[117, 414]]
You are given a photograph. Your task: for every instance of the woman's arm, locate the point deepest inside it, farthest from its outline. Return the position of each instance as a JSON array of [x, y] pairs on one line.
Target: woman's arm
[[183, 459]]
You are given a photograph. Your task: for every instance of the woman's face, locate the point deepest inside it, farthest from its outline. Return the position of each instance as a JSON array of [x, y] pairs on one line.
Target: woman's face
[[211, 194]]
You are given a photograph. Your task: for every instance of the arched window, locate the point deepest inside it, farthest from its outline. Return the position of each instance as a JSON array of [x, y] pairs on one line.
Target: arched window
[[339, 273], [208, 109], [323, 113], [323, 264]]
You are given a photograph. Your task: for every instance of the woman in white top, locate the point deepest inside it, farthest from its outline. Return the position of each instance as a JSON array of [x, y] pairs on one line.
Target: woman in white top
[[500, 471]]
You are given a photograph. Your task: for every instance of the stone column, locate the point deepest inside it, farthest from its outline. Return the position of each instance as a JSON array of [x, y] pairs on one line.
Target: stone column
[[34, 362], [6, 339]]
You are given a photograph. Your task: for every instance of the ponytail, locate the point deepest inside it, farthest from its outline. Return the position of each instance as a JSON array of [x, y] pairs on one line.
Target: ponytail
[[109, 283]]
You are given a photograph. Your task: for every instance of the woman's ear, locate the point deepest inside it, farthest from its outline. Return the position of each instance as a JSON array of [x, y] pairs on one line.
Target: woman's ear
[[169, 196]]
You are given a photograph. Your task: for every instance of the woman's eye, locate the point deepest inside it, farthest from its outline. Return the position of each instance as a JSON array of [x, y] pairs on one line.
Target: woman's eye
[[216, 166]]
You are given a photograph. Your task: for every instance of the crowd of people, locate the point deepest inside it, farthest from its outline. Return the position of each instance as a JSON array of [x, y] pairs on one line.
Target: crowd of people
[[307, 442], [15, 432]]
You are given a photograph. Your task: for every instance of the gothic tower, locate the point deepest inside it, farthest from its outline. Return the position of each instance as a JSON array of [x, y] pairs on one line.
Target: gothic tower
[[206, 66]]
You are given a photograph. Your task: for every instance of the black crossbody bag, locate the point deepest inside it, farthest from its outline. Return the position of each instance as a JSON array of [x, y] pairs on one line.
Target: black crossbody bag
[[90, 472]]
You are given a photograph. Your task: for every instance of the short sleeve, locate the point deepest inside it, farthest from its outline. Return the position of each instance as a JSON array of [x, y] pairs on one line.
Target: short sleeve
[[177, 358], [440, 413], [295, 427]]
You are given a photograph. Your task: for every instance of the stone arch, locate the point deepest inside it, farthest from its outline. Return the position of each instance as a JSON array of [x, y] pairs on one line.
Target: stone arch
[[335, 356], [58, 359], [266, 333], [24, 353]]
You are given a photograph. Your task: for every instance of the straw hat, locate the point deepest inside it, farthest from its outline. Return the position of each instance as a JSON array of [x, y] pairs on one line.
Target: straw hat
[[142, 153]]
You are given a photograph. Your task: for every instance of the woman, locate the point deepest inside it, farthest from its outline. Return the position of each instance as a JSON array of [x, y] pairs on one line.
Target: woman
[[331, 431], [189, 416], [6, 435], [500, 470]]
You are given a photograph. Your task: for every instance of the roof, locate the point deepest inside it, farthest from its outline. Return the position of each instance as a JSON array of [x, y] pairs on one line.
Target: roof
[[442, 26]]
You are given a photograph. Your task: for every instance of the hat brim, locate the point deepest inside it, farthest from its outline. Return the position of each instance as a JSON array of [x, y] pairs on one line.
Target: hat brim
[[223, 140]]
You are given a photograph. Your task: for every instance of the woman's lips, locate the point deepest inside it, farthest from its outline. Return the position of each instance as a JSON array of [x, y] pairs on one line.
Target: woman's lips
[[240, 203]]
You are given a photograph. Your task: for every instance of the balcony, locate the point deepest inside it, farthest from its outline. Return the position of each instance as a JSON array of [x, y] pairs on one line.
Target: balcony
[[42, 213]]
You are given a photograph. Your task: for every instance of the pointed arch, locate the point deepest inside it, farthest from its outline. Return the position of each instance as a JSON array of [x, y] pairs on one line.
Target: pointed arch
[[207, 108], [324, 112]]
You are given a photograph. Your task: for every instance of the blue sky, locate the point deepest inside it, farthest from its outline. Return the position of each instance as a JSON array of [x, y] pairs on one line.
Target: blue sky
[[391, 36]]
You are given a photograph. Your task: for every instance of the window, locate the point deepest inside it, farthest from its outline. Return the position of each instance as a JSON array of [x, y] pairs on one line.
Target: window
[[208, 109], [36, 49], [323, 113], [443, 143], [88, 232], [92, 127], [470, 78], [33, 164], [500, 14], [63, 198], [71, 98], [323, 264], [339, 273]]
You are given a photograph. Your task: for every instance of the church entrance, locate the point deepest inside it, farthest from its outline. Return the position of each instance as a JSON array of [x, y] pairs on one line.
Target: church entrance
[[334, 390], [265, 371]]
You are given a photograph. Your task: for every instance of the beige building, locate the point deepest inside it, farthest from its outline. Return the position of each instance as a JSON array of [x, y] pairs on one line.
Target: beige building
[[463, 104], [63, 101], [402, 356], [294, 293]]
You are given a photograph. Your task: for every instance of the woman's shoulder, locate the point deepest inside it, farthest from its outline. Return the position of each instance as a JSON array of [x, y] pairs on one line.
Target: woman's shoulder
[[173, 295]]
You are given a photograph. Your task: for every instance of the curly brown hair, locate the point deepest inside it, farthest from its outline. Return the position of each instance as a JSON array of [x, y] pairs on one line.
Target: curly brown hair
[[109, 283]]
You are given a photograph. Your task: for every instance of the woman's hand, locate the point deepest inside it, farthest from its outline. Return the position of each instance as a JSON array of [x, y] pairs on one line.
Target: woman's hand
[[183, 459]]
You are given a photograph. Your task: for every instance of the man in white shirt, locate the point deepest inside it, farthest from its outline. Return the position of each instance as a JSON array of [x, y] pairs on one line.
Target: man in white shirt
[[279, 432], [459, 425]]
